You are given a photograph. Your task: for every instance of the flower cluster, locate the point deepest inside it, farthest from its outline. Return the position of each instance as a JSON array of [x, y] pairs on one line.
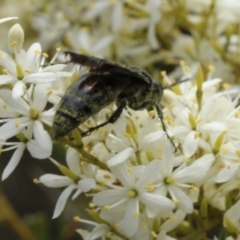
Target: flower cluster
[[138, 186]]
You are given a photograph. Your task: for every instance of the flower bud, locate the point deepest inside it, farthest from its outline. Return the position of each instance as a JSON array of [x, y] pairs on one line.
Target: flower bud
[[15, 38]]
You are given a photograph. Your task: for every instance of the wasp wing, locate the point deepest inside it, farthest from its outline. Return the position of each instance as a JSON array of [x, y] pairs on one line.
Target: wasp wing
[[103, 66]]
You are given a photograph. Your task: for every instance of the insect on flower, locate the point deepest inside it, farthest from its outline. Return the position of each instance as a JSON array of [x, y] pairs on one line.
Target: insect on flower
[[106, 82]]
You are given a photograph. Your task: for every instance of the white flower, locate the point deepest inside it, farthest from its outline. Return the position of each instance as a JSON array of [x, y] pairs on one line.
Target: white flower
[[178, 181], [26, 67], [96, 233], [36, 150], [32, 115], [112, 10], [74, 181], [133, 192]]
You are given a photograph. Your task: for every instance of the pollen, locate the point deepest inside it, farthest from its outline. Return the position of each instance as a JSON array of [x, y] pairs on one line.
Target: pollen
[[238, 114], [45, 55], [154, 235], [58, 49], [36, 181], [49, 92], [150, 187], [4, 71], [238, 153], [176, 202], [211, 68], [17, 124], [196, 135], [27, 70], [106, 207], [76, 218], [91, 205], [225, 150], [15, 43], [193, 187], [136, 214], [181, 63], [107, 176], [37, 52], [173, 218], [130, 170], [226, 85]]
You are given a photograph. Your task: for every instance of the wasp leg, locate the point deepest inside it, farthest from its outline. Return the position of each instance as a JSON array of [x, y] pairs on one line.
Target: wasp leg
[[113, 118], [160, 114]]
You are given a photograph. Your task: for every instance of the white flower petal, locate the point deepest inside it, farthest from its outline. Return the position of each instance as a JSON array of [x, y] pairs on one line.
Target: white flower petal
[[117, 13], [121, 173], [167, 159], [226, 174], [98, 231], [36, 151], [72, 159], [18, 89], [191, 174], [55, 181], [5, 79], [41, 78], [40, 98], [205, 161], [185, 202], [150, 138], [120, 157], [213, 127], [56, 68], [9, 64], [109, 197], [173, 222], [87, 184], [13, 127], [156, 203], [2, 20], [190, 144], [130, 221], [62, 200], [150, 173], [31, 61], [13, 161], [42, 137], [97, 8]]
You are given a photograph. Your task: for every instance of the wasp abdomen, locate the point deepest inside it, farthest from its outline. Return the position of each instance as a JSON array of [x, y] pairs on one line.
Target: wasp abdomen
[[72, 112]]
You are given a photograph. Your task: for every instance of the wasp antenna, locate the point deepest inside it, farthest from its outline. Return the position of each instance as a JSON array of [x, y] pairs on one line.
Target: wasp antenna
[[176, 83], [56, 63], [160, 115]]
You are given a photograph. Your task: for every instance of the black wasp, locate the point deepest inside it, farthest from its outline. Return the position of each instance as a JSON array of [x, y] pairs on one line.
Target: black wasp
[[106, 82]]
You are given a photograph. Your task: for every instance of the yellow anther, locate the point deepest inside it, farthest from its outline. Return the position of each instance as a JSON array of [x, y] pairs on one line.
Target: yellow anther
[[17, 124], [136, 214], [37, 52], [14, 43], [76, 218], [130, 170], [36, 181], [45, 55]]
